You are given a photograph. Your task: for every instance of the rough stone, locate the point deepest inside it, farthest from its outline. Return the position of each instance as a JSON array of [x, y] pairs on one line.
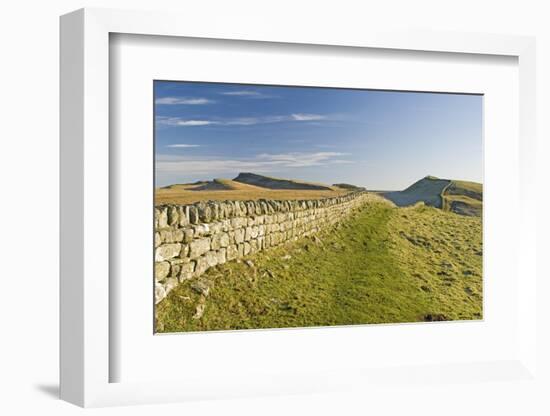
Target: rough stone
[[211, 258], [183, 214], [160, 293], [175, 270], [162, 269], [201, 266], [187, 270], [199, 247], [232, 252], [171, 235], [193, 215], [201, 286], [184, 251], [167, 251], [199, 310], [205, 212], [170, 283], [222, 254], [224, 240], [163, 218], [215, 243], [246, 245], [239, 235], [173, 217], [188, 235]]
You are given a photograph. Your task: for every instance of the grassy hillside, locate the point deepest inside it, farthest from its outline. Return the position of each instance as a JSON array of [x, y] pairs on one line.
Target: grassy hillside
[[383, 264], [460, 197], [184, 195], [427, 190], [235, 190], [278, 183], [464, 198]]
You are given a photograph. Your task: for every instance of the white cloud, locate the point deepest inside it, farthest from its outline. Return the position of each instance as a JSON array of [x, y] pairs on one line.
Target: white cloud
[[183, 145], [243, 93], [265, 162], [183, 101], [241, 121], [247, 94], [301, 159], [307, 117]]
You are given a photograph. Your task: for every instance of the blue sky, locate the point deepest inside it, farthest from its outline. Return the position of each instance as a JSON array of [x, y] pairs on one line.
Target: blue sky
[[378, 139]]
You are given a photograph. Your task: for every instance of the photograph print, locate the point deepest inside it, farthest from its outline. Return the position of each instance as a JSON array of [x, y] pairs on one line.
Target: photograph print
[[290, 206]]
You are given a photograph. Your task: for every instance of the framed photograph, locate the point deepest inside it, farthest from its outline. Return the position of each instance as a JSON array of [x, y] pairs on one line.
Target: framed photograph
[[287, 211], [288, 206]]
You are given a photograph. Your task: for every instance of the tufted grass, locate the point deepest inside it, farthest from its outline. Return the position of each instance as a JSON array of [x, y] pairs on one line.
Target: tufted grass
[[382, 265]]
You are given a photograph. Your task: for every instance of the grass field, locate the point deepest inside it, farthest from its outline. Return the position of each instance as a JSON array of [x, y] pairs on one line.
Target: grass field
[[383, 264], [227, 189]]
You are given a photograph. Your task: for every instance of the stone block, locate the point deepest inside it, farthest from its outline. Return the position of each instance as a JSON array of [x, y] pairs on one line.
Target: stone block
[[224, 239], [188, 234], [173, 217], [163, 218], [186, 271], [205, 212], [183, 213], [201, 266], [239, 235], [167, 251], [170, 284], [215, 242], [211, 258], [162, 269], [222, 255], [254, 232], [198, 247], [232, 252], [160, 293], [246, 248], [193, 214]]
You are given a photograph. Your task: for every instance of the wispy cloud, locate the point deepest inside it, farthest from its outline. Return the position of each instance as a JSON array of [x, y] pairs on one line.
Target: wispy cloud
[[183, 145], [248, 94], [240, 121], [307, 117], [264, 162], [294, 160], [183, 101]]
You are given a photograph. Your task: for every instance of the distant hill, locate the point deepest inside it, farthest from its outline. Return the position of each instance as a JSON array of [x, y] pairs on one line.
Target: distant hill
[[461, 197], [349, 187], [276, 183], [464, 198]]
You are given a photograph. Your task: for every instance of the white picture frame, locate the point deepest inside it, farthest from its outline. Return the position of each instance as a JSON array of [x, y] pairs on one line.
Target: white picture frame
[[85, 217]]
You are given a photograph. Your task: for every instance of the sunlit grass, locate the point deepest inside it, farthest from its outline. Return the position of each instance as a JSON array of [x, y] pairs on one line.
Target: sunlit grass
[[384, 264]]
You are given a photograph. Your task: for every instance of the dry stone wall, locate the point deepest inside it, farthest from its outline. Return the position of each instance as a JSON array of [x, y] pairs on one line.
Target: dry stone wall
[[189, 239]]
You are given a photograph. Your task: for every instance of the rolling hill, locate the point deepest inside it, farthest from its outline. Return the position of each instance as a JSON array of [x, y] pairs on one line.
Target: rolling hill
[[461, 197], [249, 187], [277, 183]]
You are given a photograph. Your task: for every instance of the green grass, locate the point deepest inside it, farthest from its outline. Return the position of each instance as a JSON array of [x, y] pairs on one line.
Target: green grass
[[384, 264], [463, 197]]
